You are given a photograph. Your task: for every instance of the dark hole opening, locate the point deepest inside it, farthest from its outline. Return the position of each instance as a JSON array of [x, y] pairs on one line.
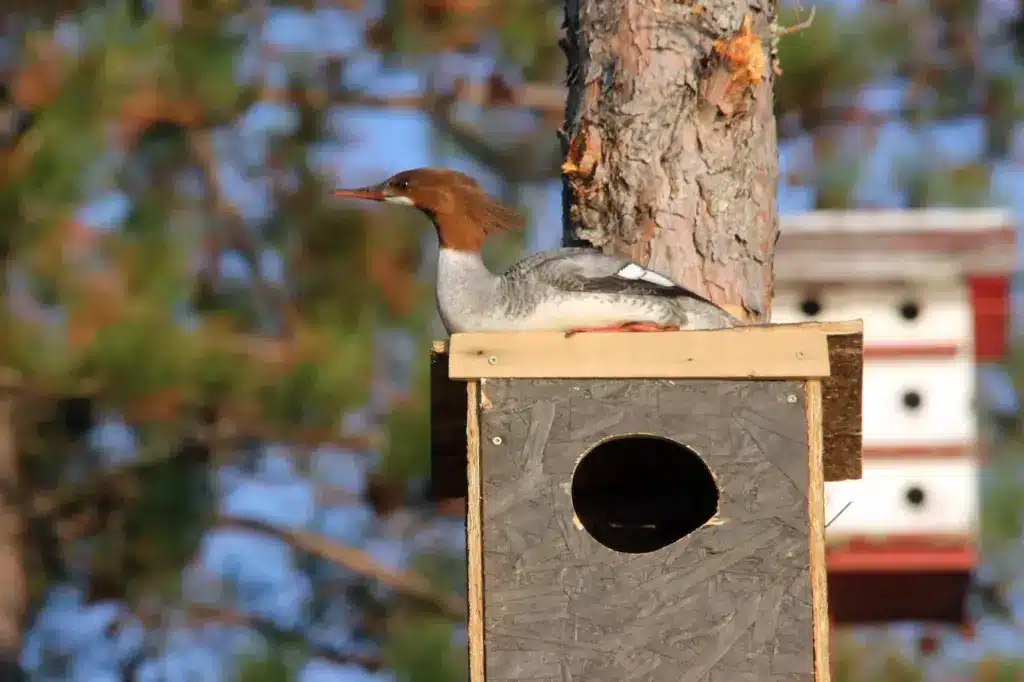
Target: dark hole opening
[[811, 307], [915, 496], [912, 400], [910, 310], [639, 494]]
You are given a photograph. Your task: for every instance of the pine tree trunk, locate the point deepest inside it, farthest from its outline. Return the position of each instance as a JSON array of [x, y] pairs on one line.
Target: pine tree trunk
[[13, 586], [671, 150]]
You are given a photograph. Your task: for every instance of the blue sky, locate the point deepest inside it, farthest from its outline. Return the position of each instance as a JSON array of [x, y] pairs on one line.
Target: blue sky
[[383, 142]]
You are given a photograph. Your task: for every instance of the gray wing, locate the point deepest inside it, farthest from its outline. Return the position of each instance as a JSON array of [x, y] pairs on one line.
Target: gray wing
[[590, 271]]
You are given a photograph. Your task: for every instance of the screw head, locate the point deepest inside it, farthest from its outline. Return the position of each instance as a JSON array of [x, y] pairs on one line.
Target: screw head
[[496, 440], [791, 398], [493, 360]]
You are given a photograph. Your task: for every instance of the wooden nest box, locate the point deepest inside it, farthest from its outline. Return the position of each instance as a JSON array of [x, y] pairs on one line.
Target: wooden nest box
[[647, 507]]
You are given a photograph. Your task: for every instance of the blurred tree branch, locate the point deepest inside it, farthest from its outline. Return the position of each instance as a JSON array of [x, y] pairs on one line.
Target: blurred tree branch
[[538, 97], [46, 503], [407, 584], [528, 160]]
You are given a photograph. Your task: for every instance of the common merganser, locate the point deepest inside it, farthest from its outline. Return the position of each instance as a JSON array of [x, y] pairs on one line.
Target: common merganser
[[569, 290]]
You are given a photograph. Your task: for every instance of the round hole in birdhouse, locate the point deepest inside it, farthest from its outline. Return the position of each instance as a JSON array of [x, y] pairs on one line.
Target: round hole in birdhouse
[[915, 496], [810, 306], [637, 494], [912, 400], [910, 310]]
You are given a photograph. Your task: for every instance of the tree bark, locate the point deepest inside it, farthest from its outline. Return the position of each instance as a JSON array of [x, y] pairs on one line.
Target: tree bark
[[13, 584], [670, 141]]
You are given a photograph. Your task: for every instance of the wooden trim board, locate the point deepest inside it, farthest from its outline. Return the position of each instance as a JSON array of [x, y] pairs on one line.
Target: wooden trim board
[[816, 516], [761, 352], [841, 403], [441, 347], [474, 537]]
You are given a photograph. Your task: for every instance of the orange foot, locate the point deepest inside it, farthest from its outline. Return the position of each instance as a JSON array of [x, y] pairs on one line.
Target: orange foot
[[627, 327]]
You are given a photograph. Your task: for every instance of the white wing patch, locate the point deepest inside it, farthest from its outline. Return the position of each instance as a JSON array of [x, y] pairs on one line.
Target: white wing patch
[[636, 272]]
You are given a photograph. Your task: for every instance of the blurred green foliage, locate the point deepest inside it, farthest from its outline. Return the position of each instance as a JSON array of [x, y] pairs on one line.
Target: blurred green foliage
[[858, 661], [924, 65], [142, 320]]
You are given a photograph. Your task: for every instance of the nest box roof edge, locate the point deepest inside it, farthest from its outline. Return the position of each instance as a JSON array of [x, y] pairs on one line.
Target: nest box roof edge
[[779, 351]]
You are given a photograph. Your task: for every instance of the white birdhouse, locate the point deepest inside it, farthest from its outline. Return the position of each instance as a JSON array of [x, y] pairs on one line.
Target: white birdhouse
[[932, 288]]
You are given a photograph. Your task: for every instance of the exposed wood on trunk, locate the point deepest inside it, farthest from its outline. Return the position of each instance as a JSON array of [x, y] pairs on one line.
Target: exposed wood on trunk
[[672, 157], [13, 584]]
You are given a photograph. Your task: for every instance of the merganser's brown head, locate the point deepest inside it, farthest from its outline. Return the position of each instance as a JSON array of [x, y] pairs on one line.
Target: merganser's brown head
[[461, 211]]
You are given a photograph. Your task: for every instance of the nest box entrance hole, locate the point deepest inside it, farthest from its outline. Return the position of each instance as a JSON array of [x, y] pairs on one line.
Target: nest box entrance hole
[[637, 494]]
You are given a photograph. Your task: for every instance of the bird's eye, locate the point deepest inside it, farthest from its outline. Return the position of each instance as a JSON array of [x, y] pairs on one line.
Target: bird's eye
[[400, 184]]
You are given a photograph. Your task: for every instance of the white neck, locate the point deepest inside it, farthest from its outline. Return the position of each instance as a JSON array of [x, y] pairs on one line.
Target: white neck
[[466, 289], [464, 263]]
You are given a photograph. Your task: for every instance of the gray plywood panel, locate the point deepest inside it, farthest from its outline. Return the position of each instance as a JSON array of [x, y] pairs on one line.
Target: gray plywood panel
[[727, 603]]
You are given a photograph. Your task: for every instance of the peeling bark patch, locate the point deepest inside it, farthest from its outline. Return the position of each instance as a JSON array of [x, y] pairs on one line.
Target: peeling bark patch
[[583, 157], [745, 55], [741, 63]]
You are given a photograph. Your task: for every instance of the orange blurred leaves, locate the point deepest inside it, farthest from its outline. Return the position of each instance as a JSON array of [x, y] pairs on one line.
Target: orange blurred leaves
[[351, 5], [162, 405], [38, 82], [103, 304], [393, 272], [68, 243], [437, 10], [445, 24], [151, 104]]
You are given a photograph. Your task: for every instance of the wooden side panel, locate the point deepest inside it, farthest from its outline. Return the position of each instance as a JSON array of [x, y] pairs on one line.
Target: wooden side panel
[[841, 396], [447, 430], [731, 602]]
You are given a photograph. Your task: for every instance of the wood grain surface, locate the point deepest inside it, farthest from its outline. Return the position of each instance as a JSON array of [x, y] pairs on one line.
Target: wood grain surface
[[731, 602]]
